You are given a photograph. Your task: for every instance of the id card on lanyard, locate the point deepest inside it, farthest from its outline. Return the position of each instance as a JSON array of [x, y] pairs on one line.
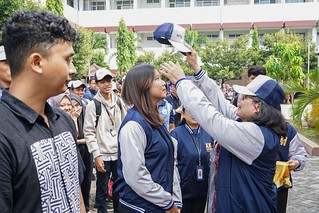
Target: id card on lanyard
[[200, 172], [199, 167]]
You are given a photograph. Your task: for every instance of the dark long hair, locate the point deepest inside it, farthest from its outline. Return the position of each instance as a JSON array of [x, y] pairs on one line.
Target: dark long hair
[[136, 92], [270, 117]]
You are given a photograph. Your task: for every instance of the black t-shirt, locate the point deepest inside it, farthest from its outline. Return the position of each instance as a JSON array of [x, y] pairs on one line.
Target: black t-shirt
[[39, 165]]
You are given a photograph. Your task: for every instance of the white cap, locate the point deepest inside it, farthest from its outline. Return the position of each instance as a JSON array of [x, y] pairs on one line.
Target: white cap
[[2, 54], [101, 73], [77, 84], [177, 39]]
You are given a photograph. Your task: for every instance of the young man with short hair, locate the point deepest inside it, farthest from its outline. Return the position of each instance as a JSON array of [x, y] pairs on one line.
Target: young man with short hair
[[100, 132], [92, 90], [38, 154]]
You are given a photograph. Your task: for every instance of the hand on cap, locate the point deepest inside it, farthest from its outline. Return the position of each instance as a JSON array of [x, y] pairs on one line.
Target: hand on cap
[[191, 58], [172, 71]]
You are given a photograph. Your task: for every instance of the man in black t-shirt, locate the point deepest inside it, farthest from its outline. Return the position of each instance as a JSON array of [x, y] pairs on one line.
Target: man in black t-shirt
[[38, 156]]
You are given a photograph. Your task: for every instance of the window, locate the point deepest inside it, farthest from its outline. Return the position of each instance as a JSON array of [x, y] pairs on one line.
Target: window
[[205, 3], [98, 5], [295, 1], [149, 38], [303, 35], [233, 36], [122, 5], [260, 39], [266, 1], [152, 1], [213, 38], [70, 3], [179, 3]]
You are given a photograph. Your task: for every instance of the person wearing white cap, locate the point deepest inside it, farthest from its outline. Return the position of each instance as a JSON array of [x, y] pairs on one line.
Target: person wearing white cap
[[100, 133], [248, 136], [5, 75], [290, 150], [77, 87]]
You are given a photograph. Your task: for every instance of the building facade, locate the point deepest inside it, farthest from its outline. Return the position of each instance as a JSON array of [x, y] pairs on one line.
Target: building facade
[[226, 19]]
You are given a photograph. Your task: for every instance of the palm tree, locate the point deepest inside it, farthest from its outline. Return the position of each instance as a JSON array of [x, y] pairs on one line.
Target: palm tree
[[308, 96]]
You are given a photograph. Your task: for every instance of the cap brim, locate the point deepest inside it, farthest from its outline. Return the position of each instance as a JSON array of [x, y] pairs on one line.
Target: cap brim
[[105, 76], [3, 57], [243, 90], [180, 46]]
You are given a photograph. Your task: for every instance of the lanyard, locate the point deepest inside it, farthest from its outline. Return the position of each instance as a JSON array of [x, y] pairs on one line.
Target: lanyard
[[196, 141], [112, 117]]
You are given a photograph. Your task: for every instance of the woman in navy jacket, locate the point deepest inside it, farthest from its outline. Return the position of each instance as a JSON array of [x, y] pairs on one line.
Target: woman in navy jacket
[[148, 179], [193, 159], [248, 136]]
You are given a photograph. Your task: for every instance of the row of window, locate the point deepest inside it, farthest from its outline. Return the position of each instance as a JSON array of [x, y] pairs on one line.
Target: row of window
[[147, 40], [128, 4]]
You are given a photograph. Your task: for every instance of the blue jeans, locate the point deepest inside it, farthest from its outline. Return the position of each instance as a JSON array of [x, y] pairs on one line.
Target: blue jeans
[[102, 188]]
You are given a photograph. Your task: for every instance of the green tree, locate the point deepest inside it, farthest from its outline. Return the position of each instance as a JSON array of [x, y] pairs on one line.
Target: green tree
[[255, 41], [270, 40], [126, 48], [224, 60], [286, 63], [6, 10], [254, 50], [83, 52], [99, 47], [170, 55], [99, 59], [98, 41], [33, 5], [191, 37], [8, 7], [55, 6], [146, 57], [308, 96]]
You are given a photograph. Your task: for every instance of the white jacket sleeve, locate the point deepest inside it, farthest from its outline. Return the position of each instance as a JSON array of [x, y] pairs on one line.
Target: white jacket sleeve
[[132, 145], [243, 139], [297, 152], [177, 192], [90, 130], [214, 94]]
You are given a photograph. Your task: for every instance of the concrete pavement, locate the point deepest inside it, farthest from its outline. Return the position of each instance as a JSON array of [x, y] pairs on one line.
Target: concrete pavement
[[304, 196]]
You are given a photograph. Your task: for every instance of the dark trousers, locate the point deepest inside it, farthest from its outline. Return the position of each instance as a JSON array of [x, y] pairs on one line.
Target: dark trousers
[[86, 183], [194, 205], [122, 209], [282, 198], [102, 188]]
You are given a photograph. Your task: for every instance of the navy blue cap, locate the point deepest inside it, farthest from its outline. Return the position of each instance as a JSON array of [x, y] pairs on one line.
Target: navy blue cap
[[171, 34]]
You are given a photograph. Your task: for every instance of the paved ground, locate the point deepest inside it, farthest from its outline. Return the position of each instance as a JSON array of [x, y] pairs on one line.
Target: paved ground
[[303, 197]]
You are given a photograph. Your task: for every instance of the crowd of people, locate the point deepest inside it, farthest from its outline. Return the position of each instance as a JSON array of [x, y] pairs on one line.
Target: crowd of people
[[187, 151]]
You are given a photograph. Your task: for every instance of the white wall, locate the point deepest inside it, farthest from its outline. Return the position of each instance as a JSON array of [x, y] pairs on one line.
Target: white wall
[[218, 14]]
